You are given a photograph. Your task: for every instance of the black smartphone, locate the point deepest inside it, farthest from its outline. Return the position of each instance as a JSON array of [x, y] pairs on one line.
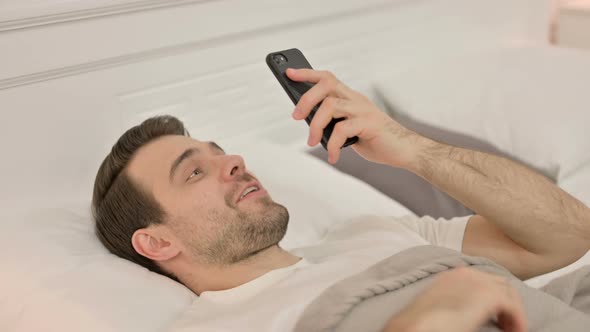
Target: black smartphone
[[278, 62]]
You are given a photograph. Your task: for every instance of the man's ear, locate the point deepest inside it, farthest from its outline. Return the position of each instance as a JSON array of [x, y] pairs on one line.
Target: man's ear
[[154, 244]]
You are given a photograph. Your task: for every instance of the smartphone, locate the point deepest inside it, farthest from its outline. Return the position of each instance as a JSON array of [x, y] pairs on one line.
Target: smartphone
[[278, 62]]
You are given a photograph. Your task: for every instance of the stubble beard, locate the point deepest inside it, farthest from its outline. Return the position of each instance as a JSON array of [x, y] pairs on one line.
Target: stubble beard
[[247, 233]]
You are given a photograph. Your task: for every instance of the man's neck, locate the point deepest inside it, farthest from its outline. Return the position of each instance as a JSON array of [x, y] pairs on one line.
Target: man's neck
[[226, 277]]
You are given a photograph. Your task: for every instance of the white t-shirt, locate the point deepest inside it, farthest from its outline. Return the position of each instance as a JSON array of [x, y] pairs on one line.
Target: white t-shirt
[[275, 300]]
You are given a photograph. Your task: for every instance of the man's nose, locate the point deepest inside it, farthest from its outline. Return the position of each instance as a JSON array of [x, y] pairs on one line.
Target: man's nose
[[233, 166]]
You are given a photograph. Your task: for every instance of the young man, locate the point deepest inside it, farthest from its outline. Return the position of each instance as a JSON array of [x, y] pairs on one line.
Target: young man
[[183, 208]]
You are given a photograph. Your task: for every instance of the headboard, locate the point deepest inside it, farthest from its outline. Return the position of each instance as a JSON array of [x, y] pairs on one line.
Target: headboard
[[76, 75]]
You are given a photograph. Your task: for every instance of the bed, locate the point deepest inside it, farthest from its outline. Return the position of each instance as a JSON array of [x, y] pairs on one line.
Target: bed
[[74, 78]]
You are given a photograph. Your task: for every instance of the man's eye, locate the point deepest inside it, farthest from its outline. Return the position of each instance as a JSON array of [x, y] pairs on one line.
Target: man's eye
[[194, 173]]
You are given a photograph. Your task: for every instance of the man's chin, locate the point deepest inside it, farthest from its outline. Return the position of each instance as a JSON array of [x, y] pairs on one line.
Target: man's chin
[[262, 250], [259, 203]]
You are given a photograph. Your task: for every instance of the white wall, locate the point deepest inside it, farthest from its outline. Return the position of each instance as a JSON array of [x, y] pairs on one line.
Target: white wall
[[72, 82]]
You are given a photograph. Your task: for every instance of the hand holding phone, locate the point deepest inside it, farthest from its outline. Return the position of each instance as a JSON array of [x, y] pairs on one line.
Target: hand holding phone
[[278, 62]]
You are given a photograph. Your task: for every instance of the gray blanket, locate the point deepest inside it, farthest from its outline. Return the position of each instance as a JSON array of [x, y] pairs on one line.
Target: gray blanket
[[366, 301]]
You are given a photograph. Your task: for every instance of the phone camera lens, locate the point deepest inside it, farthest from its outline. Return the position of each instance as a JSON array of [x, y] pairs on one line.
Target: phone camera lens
[[279, 59]]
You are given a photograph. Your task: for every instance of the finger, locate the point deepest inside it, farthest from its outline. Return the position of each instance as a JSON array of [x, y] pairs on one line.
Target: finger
[[307, 75], [314, 96], [509, 322], [327, 84], [342, 130], [310, 99], [330, 108], [512, 317]]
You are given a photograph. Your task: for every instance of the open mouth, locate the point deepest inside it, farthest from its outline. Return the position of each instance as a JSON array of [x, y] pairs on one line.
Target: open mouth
[[249, 190], [253, 189]]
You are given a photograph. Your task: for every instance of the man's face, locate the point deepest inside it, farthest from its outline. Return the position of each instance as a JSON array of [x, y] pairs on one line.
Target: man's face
[[200, 189]]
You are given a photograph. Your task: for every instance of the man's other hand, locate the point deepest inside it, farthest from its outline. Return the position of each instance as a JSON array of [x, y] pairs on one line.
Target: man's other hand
[[381, 139], [462, 300]]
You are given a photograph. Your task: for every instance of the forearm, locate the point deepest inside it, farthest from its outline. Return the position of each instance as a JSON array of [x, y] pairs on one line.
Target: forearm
[[530, 209]]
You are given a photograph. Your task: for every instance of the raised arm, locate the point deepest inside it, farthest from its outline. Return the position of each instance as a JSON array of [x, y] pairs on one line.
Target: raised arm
[[524, 221]]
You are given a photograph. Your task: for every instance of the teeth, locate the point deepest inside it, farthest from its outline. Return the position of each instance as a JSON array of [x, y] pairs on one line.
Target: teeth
[[249, 190]]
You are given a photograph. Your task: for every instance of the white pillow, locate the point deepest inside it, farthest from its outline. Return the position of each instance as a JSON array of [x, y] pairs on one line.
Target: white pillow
[[530, 102], [57, 276]]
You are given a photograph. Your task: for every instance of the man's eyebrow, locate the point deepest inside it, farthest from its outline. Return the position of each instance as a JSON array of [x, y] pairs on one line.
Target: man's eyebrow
[[214, 146], [185, 155]]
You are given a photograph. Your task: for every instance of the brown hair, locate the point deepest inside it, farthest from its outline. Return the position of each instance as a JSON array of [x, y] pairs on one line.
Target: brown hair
[[120, 206]]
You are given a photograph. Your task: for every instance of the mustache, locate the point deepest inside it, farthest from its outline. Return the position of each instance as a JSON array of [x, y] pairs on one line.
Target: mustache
[[246, 177]]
